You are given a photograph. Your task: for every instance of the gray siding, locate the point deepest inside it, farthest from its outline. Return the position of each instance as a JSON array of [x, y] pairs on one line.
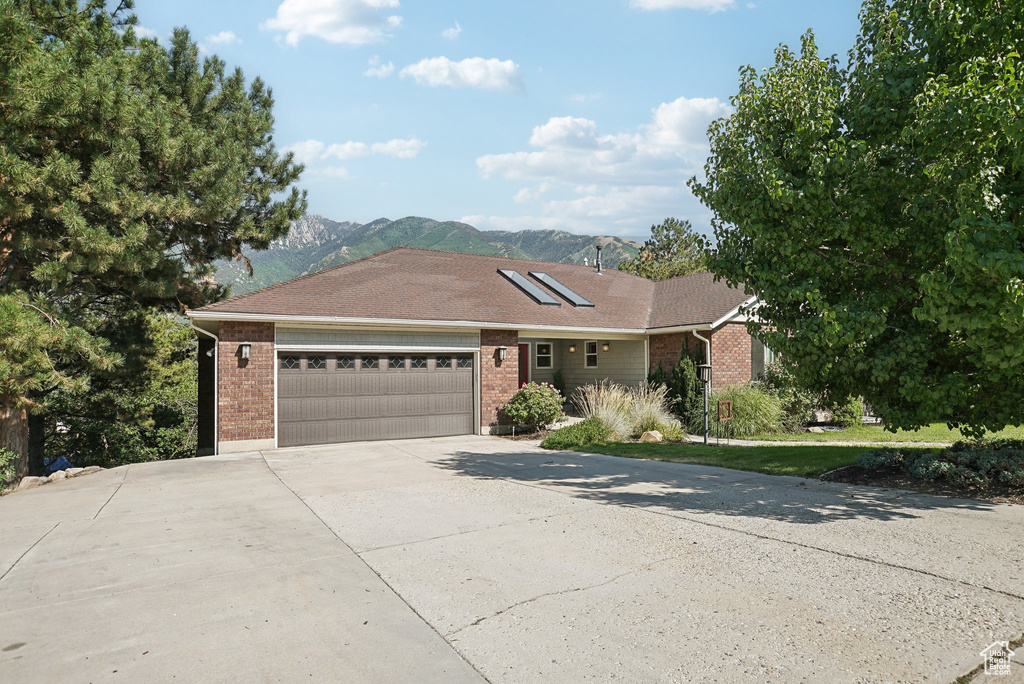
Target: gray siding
[[623, 364], [376, 340]]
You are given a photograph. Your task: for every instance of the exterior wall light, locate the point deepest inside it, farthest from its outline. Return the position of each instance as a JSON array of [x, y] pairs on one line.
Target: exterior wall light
[[572, 348], [704, 370], [502, 352], [606, 347], [244, 350]]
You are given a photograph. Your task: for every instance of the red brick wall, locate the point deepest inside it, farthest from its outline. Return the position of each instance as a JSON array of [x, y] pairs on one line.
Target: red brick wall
[[499, 380], [246, 397], [666, 349], [730, 355]]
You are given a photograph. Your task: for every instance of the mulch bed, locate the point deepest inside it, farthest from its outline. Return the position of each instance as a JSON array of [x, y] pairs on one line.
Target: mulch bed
[[526, 436], [893, 478]]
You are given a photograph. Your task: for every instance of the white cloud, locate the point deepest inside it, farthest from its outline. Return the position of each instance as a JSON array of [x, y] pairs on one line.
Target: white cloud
[[452, 33], [306, 151], [143, 32], [378, 70], [583, 98], [623, 181], [474, 72], [311, 151], [336, 172], [344, 22], [707, 5], [223, 38]]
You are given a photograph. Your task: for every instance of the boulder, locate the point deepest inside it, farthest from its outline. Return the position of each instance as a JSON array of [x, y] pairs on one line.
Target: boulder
[[91, 469], [816, 429], [31, 481], [74, 472], [58, 475], [652, 436]]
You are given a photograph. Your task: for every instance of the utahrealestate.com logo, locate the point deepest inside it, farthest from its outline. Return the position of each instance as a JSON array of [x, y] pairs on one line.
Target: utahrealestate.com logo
[[997, 658]]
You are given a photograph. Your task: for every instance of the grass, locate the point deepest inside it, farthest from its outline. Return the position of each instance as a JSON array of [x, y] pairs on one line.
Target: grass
[[798, 461], [936, 432]]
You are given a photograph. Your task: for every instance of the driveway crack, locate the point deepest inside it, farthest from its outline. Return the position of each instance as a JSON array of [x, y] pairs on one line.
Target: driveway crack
[[45, 534], [114, 493], [563, 592]]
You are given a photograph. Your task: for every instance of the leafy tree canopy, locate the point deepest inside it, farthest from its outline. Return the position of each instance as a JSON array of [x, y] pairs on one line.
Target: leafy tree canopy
[[126, 168], [674, 249], [876, 210]]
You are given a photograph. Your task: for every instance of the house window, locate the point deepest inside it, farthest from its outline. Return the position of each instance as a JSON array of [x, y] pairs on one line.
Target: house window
[[346, 362], [465, 362], [369, 362], [397, 363], [419, 362], [443, 362], [316, 362], [543, 356], [289, 363], [591, 354]]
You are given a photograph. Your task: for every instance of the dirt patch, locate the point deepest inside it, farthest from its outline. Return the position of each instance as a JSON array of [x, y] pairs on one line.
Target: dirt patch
[[893, 478], [526, 436]]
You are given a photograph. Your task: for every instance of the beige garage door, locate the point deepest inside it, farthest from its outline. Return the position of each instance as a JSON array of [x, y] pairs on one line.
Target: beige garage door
[[330, 398]]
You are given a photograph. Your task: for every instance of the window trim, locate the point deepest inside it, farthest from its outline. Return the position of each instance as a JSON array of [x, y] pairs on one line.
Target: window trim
[[587, 353], [537, 356]]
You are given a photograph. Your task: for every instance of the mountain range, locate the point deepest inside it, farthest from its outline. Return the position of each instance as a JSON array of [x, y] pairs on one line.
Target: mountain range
[[315, 243]]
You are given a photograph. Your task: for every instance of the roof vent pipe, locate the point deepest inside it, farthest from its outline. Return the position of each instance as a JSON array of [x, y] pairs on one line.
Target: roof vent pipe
[[597, 261]]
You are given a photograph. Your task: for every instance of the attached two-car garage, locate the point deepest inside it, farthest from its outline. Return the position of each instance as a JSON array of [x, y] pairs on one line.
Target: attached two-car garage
[[326, 398]]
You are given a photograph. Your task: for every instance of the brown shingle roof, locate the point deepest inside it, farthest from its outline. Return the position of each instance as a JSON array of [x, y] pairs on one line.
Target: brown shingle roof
[[417, 284]]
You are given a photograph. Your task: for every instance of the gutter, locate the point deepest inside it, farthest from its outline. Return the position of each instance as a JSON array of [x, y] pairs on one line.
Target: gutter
[[216, 386]]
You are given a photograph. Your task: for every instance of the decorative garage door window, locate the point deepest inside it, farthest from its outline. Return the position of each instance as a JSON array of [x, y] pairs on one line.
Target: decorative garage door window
[[346, 362], [444, 362], [419, 362], [543, 356], [316, 362], [369, 362], [465, 362], [397, 363], [290, 363]]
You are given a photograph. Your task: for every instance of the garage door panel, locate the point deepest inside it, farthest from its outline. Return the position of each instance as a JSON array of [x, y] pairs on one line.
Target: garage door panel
[[342, 405]]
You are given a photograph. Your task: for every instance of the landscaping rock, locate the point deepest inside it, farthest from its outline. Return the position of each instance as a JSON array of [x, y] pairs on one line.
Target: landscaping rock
[[652, 436], [91, 469], [74, 472], [816, 429], [58, 475], [31, 482]]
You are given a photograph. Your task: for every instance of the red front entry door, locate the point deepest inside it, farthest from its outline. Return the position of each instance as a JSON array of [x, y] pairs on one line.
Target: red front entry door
[[524, 364]]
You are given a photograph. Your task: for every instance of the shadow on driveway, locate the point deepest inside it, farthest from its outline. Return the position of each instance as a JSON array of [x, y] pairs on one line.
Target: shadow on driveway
[[701, 489]]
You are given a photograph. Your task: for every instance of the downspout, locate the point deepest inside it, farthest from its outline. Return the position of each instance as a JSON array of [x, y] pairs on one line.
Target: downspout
[[216, 386], [707, 385]]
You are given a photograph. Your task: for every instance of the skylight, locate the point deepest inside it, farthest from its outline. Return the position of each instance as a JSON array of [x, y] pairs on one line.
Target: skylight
[[531, 290], [562, 290]]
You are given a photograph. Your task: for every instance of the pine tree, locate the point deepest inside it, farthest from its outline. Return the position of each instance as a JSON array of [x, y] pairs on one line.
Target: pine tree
[[674, 249], [126, 169]]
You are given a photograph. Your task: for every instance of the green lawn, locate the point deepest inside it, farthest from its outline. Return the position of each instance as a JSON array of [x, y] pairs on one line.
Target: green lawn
[[799, 461], [936, 432]]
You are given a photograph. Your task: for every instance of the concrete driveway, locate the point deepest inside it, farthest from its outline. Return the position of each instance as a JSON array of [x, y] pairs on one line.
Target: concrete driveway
[[476, 559]]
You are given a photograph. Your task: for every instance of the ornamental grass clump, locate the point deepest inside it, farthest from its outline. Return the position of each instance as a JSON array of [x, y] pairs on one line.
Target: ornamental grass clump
[[754, 412], [609, 403], [649, 410], [536, 406], [589, 431]]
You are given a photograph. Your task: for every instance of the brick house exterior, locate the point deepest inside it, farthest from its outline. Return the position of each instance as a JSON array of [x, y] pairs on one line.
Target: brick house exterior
[[430, 325]]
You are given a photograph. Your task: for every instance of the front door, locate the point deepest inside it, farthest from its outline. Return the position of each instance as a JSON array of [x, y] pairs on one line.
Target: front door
[[524, 364]]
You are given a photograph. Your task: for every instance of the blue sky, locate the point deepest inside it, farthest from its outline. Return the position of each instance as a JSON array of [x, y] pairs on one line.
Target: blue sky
[[580, 116]]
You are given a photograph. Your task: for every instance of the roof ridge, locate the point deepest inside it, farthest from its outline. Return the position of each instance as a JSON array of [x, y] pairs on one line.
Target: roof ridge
[[304, 276], [509, 258]]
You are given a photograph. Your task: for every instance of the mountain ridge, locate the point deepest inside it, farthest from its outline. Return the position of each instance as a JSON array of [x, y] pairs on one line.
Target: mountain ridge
[[316, 242]]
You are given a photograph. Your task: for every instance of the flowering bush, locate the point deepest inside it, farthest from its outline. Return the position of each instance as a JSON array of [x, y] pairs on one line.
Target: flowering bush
[[535, 406]]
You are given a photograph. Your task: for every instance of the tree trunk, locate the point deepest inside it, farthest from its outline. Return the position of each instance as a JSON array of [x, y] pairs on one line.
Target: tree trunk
[[14, 437], [36, 443]]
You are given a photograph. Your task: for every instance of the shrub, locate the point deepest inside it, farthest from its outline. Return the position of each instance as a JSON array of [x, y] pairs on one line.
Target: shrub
[[848, 414], [535, 406], [673, 433], [754, 412], [608, 402], [589, 431], [558, 380], [798, 404], [7, 460], [966, 464]]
